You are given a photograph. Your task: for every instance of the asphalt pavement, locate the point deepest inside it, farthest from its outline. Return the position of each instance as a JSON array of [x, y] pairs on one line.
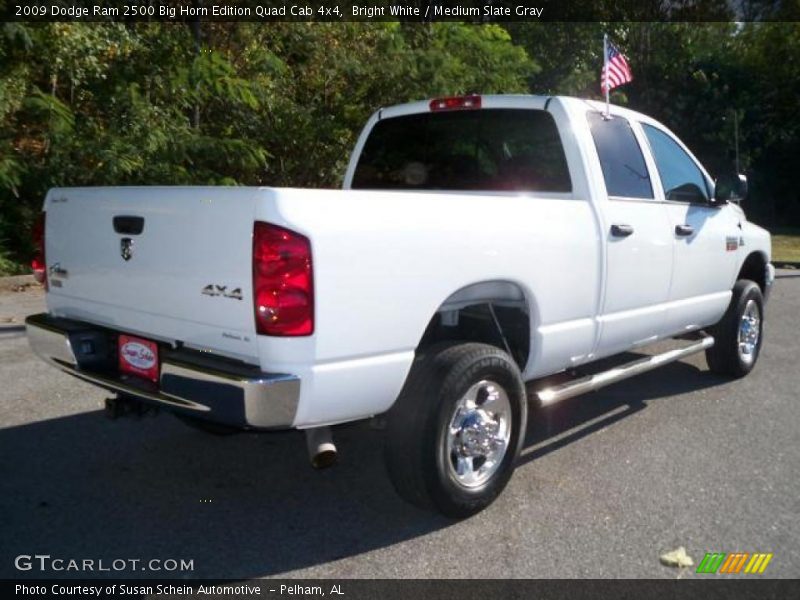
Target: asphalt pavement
[[607, 482]]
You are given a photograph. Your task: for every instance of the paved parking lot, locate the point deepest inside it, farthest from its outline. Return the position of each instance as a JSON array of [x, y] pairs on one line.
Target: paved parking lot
[[606, 483]]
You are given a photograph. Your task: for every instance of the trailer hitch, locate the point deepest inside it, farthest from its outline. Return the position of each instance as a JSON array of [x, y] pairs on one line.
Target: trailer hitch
[[127, 406]]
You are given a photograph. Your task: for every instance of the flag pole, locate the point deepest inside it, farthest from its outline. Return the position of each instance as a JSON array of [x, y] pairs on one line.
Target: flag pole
[[605, 73]]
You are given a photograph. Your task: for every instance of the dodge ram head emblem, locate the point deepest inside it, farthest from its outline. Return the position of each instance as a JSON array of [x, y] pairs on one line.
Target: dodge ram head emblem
[[126, 248]]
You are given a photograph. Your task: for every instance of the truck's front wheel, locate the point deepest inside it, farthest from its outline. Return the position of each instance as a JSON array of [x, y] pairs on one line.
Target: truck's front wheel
[[456, 430], [740, 332]]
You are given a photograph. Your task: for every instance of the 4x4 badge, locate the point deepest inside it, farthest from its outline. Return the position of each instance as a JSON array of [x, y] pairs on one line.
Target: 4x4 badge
[[222, 290], [126, 248]]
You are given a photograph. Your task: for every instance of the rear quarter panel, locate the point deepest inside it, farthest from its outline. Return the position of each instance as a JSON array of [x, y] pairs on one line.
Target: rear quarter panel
[[385, 261]]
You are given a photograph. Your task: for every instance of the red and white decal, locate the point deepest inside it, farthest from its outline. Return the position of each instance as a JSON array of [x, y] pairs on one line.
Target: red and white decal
[[138, 356]]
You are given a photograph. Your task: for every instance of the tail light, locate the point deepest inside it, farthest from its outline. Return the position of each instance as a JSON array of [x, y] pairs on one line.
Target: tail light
[[283, 287], [39, 264], [456, 102]]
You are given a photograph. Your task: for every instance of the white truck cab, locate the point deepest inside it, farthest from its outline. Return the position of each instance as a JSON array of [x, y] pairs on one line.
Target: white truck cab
[[479, 243]]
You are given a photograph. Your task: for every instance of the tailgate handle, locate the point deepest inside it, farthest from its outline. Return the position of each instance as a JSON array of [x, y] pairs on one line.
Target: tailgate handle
[[129, 225]]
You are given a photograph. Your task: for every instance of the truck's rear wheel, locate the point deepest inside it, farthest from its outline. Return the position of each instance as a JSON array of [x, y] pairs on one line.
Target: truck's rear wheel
[[455, 432], [740, 332]]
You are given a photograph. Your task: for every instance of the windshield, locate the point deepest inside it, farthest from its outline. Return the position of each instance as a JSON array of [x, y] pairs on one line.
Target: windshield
[[488, 149]]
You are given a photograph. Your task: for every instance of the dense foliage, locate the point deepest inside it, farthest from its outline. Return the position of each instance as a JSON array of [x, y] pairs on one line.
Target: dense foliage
[[282, 104]]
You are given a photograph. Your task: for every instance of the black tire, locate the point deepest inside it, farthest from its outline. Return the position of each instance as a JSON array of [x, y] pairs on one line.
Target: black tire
[[208, 426], [417, 456], [724, 357]]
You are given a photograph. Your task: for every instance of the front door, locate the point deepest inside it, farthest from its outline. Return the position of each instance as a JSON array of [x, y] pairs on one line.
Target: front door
[[706, 237]]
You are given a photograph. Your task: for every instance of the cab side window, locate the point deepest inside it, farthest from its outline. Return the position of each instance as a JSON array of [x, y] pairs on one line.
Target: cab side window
[[621, 159], [681, 178]]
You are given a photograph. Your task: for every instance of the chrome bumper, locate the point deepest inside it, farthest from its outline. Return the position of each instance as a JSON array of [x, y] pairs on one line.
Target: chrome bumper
[[191, 382]]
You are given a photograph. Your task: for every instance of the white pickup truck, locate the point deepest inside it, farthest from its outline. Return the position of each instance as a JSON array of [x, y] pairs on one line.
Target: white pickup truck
[[480, 242]]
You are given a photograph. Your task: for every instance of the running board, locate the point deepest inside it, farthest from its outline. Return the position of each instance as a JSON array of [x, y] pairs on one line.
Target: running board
[[595, 382]]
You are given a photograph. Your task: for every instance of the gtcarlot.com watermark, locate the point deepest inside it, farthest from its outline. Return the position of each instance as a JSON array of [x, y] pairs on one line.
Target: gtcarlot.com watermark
[[45, 563]]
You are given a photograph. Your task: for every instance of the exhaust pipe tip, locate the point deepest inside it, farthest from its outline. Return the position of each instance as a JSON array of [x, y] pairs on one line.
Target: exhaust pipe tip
[[325, 457], [321, 449]]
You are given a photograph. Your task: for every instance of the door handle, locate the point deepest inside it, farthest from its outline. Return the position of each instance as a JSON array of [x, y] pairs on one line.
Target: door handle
[[684, 230], [621, 230]]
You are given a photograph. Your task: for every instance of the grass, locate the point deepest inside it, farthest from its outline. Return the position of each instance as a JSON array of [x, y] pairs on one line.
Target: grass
[[786, 245], [9, 266]]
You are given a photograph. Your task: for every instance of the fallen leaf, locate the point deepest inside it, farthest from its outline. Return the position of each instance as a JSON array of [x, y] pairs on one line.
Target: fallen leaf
[[677, 558]]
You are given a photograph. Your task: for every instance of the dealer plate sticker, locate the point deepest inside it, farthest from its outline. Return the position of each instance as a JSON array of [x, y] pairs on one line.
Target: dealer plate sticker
[[138, 357]]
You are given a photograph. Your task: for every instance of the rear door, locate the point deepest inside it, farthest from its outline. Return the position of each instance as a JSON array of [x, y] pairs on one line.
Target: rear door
[[637, 240], [705, 237]]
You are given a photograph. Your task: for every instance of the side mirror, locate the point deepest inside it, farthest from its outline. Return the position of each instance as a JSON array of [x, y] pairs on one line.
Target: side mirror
[[730, 188]]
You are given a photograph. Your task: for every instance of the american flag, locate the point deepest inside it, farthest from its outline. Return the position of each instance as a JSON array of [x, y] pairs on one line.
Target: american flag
[[616, 70]]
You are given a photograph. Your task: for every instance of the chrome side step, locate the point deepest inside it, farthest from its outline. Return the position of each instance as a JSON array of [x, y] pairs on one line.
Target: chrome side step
[[590, 383]]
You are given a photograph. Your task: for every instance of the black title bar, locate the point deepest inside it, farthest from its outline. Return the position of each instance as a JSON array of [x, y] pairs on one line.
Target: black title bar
[[711, 588], [477, 11]]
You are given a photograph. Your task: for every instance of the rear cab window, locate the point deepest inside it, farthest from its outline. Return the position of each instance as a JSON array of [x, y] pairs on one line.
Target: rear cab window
[[621, 159], [465, 150]]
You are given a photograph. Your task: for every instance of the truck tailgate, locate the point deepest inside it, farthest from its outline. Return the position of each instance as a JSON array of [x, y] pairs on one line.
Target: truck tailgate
[[169, 263]]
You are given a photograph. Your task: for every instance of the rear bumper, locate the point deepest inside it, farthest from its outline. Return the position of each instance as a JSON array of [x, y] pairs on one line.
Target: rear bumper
[[190, 382]]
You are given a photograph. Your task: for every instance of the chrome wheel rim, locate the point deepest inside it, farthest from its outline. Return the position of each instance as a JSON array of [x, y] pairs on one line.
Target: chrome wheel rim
[[478, 434], [749, 332]]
